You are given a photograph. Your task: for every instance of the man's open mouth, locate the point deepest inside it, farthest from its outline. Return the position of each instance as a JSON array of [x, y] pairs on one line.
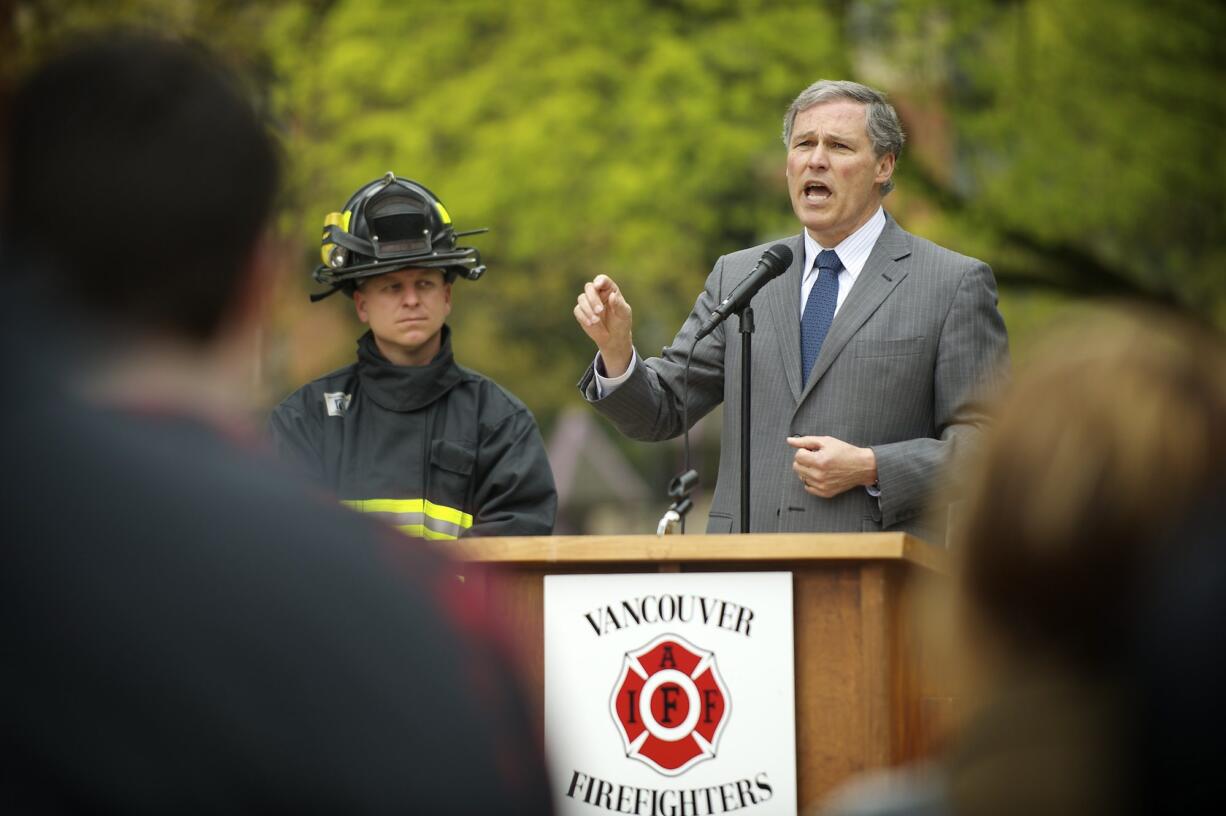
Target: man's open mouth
[[816, 191]]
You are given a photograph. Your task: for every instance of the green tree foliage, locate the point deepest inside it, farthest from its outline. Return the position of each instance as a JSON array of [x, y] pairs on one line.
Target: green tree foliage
[[636, 139], [1072, 145], [1085, 133]]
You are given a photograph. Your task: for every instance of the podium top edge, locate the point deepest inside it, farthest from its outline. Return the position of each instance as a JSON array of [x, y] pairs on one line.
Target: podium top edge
[[710, 549]]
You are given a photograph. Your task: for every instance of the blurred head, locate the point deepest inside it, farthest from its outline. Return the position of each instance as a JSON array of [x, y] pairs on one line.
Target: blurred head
[[406, 310], [1103, 442], [140, 183], [838, 166]]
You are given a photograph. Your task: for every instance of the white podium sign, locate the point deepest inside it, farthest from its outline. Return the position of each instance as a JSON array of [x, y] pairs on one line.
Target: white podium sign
[[670, 694]]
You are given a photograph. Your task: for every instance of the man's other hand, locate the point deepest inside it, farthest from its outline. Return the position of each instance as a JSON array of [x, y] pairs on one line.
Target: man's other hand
[[827, 466]]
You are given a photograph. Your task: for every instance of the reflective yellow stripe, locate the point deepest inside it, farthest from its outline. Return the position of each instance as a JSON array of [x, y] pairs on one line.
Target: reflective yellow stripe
[[445, 513], [438, 511], [416, 517]]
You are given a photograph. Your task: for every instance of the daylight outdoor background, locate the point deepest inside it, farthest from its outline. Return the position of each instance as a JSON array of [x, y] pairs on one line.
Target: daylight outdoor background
[[1075, 146]]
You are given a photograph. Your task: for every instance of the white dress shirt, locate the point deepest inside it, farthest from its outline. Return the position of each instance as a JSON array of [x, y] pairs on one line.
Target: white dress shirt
[[853, 251]]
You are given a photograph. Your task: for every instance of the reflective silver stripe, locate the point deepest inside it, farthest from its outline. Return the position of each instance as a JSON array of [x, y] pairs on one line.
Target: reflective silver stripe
[[445, 528]]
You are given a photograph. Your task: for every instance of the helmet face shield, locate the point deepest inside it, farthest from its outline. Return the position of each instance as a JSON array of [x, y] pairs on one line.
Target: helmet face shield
[[391, 223], [399, 224]]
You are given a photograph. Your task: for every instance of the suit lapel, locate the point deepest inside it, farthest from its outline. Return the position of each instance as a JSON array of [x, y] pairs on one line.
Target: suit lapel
[[881, 273], [783, 311]]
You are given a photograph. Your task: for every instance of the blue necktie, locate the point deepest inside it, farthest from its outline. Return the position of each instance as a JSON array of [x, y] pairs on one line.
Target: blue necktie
[[819, 310]]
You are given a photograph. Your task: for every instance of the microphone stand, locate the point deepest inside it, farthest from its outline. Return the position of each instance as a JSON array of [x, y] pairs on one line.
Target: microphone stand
[[773, 263], [679, 488], [745, 316]]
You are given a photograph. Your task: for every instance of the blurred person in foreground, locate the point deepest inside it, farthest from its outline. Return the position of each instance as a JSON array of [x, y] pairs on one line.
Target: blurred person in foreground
[[405, 432], [1180, 669], [1104, 445], [870, 349], [185, 627]]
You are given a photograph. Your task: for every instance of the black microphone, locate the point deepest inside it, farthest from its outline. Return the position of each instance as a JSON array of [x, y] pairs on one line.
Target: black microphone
[[773, 263]]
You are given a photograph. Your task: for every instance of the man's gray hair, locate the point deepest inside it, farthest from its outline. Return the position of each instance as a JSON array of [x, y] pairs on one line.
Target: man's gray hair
[[881, 120]]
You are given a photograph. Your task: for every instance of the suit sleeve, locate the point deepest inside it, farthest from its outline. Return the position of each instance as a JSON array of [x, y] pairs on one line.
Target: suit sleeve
[[971, 359], [514, 493], [647, 406]]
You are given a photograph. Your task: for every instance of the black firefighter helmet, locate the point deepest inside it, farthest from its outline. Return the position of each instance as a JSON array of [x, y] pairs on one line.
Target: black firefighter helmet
[[392, 223]]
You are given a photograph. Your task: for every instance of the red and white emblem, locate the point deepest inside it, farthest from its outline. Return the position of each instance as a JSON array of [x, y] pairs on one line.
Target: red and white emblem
[[670, 704]]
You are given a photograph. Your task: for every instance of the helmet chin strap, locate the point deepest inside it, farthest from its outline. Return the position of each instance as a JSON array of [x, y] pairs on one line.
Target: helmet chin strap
[[318, 296]]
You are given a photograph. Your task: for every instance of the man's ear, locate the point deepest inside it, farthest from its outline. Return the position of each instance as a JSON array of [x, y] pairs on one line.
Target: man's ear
[[885, 168], [359, 305]]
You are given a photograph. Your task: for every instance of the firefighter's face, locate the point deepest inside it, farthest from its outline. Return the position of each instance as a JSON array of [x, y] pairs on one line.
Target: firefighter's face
[[405, 310]]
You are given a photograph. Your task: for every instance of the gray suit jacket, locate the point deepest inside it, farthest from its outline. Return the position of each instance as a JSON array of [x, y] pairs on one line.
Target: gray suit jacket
[[901, 371]]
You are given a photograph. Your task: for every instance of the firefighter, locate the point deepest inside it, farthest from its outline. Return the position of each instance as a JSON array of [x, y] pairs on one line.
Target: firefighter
[[405, 432]]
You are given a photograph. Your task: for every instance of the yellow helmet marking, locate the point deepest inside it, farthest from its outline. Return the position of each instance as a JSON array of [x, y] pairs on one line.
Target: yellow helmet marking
[[442, 211], [333, 219]]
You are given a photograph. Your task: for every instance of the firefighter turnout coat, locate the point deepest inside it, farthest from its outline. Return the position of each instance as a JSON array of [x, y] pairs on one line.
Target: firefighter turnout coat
[[437, 450]]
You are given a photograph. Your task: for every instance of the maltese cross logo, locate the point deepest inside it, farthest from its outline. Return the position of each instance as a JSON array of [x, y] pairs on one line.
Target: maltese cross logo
[[670, 704]]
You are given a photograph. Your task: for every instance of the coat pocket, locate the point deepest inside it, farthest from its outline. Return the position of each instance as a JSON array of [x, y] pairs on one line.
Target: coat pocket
[[452, 456], [451, 471], [868, 347], [719, 523]]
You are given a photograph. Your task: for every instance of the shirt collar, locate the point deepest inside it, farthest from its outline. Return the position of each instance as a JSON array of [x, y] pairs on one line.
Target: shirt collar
[[853, 250]]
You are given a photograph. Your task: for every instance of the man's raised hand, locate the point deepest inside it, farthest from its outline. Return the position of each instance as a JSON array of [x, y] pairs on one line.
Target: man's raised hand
[[605, 316]]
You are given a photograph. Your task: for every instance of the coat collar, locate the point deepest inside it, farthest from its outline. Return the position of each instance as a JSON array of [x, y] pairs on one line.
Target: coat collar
[[783, 311], [406, 388]]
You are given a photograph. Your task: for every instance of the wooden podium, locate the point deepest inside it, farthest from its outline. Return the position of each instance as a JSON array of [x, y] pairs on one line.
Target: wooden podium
[[864, 695]]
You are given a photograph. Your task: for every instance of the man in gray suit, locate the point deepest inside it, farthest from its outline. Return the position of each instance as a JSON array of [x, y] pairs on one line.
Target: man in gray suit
[[870, 351]]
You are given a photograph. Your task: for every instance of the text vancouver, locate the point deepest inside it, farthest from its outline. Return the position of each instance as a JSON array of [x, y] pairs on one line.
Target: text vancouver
[[669, 609]]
